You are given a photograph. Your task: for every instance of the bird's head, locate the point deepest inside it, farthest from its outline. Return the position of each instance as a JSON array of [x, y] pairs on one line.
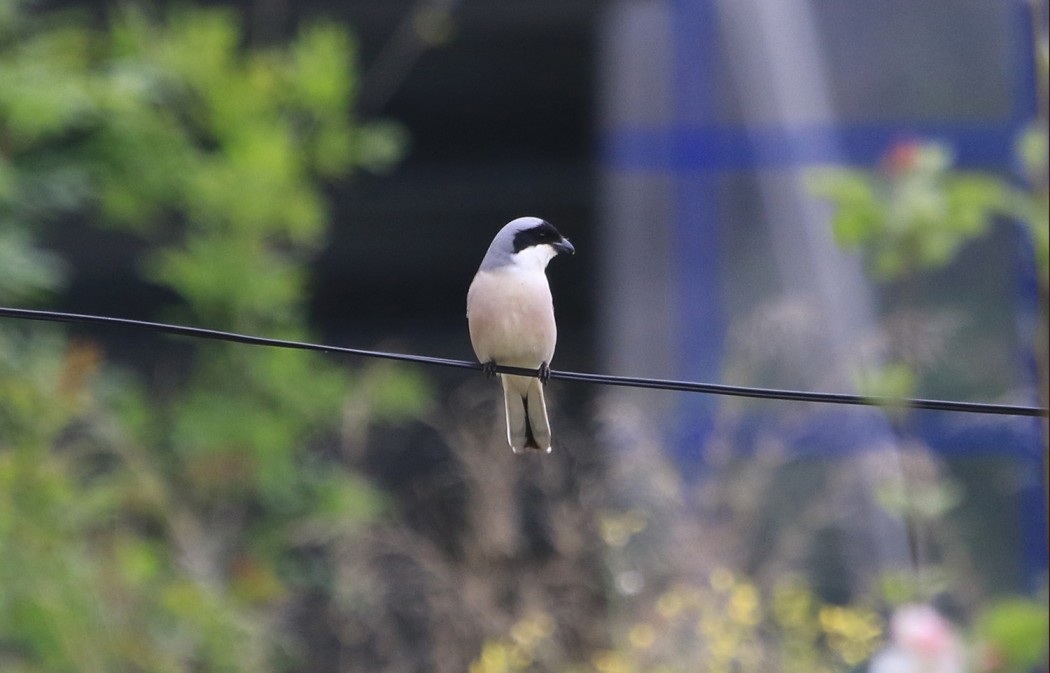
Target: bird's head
[[526, 241]]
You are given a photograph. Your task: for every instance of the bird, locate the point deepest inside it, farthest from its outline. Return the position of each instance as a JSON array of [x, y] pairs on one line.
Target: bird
[[510, 316]]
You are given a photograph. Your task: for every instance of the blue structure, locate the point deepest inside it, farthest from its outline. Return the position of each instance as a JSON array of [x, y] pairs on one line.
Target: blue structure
[[712, 107]]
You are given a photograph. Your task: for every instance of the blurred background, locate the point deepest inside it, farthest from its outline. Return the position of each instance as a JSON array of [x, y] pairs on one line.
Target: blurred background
[[802, 194]]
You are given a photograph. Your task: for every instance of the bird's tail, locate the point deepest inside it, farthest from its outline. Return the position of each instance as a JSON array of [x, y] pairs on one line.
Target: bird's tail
[[527, 424]]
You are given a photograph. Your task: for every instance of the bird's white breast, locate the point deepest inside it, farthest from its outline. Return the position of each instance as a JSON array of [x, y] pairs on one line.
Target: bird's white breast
[[511, 317]]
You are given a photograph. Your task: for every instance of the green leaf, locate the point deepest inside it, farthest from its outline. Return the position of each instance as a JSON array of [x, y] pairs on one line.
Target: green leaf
[[1032, 147], [894, 381], [321, 59], [1017, 629]]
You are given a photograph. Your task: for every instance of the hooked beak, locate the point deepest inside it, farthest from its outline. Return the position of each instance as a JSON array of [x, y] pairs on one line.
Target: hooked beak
[[563, 246]]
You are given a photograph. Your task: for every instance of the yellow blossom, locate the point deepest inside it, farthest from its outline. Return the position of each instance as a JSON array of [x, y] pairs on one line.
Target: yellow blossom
[[670, 604], [642, 636], [609, 661], [743, 605]]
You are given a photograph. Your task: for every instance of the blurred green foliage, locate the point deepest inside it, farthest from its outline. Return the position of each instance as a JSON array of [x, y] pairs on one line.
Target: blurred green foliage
[[916, 213], [1013, 635], [150, 525]]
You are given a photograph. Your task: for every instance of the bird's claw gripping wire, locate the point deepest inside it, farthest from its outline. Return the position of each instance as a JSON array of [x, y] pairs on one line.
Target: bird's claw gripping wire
[[489, 369], [544, 372]]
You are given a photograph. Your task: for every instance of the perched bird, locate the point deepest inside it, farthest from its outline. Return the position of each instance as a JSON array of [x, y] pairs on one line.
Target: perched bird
[[511, 318]]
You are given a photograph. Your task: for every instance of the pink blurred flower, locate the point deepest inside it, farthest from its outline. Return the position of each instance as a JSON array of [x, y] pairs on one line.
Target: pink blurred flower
[[922, 641]]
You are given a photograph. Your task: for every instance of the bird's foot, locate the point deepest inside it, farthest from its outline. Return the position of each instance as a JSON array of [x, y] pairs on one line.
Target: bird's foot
[[544, 372], [489, 368]]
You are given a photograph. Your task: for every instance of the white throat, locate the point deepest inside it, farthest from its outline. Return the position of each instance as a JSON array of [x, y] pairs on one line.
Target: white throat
[[535, 257]]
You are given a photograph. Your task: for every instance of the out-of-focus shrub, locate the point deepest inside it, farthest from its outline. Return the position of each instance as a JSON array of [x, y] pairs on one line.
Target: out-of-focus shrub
[[175, 523]]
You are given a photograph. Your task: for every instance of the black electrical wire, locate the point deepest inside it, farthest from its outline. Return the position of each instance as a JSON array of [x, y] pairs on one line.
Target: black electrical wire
[[604, 379]]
